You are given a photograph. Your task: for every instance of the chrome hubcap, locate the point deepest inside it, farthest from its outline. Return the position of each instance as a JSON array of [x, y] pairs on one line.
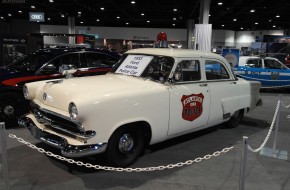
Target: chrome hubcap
[[126, 143], [9, 110]]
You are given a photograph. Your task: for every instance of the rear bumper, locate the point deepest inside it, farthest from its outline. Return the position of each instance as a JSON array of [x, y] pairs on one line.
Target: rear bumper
[[61, 143]]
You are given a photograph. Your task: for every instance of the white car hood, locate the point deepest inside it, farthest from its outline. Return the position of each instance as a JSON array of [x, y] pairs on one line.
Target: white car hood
[[96, 88]]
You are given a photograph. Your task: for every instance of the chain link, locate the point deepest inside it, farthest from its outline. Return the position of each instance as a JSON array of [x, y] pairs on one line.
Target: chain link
[[285, 106], [269, 132], [107, 168]]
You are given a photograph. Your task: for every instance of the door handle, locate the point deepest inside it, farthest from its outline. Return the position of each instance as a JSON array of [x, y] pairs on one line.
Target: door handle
[[233, 82], [202, 85]]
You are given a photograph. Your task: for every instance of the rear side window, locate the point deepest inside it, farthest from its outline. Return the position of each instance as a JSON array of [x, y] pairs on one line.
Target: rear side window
[[215, 70], [189, 70], [256, 63]]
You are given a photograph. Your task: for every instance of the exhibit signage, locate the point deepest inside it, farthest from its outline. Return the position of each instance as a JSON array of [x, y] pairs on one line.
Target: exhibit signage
[[134, 65], [14, 40], [36, 17], [232, 56]]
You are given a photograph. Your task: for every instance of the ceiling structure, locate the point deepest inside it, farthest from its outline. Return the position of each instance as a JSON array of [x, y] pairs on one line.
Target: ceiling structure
[[230, 15]]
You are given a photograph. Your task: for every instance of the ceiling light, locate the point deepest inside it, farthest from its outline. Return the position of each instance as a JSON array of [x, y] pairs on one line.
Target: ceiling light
[[174, 18], [256, 23], [20, 11], [81, 22], [102, 8], [118, 17], [220, 3], [51, 1], [2, 17], [79, 12], [98, 20], [252, 11], [223, 25], [132, 2], [127, 23], [209, 15], [48, 18], [277, 16], [9, 14], [242, 28], [148, 21], [274, 26], [270, 20], [174, 10], [62, 15], [234, 19], [173, 24], [32, 6], [142, 14]]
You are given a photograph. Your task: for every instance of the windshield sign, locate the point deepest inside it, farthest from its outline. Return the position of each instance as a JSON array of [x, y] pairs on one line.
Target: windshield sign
[[134, 65]]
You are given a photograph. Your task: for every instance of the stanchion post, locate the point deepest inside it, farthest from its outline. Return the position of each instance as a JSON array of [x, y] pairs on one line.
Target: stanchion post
[[243, 163], [277, 126], [4, 156]]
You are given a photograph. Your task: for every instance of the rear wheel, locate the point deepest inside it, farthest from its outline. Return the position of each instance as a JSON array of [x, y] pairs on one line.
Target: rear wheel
[[125, 146], [12, 106], [235, 119]]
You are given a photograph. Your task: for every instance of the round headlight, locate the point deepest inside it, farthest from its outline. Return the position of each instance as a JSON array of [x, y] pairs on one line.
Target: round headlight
[[25, 92], [73, 111]]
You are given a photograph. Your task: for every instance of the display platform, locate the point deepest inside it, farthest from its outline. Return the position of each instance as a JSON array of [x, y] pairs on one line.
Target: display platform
[[29, 169]]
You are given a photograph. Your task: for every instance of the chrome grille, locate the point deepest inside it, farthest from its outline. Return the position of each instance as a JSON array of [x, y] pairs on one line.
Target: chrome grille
[[59, 123]]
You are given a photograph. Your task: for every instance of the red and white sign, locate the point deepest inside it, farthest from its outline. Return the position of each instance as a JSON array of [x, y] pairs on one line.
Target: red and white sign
[[192, 106]]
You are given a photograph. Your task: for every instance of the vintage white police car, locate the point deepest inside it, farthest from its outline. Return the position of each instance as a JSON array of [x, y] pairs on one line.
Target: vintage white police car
[[152, 95]]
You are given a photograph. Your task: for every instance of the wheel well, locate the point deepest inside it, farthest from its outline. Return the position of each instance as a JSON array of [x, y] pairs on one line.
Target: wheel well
[[144, 125]]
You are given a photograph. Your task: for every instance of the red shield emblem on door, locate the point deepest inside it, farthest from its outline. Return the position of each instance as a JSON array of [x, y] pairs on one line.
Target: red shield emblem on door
[[192, 106]]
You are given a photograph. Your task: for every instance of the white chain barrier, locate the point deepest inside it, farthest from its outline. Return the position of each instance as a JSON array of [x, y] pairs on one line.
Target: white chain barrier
[[269, 132], [285, 106], [118, 169]]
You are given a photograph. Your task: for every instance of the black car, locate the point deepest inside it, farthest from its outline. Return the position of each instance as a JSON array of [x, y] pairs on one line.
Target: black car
[[47, 64]]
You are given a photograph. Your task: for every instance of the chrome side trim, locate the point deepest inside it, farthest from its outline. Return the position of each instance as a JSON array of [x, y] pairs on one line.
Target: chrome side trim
[[61, 143]]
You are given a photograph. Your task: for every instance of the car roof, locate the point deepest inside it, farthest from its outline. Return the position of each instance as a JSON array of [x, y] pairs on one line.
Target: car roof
[[256, 57], [59, 51], [185, 53]]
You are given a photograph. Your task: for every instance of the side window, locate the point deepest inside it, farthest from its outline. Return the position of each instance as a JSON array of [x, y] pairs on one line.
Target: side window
[[64, 62], [95, 59], [111, 61], [188, 70], [272, 64], [215, 70], [256, 63]]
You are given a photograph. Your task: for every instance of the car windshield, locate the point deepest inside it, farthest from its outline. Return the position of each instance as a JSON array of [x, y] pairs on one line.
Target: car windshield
[[30, 62], [145, 66]]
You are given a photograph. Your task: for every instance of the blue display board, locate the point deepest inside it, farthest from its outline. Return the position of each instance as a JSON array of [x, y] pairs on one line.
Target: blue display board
[[232, 56]]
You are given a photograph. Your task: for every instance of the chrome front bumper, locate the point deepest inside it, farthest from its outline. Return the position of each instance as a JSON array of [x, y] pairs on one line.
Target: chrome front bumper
[[60, 142]]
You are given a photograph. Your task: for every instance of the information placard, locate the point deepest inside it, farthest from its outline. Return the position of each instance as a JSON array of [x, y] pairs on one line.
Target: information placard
[[134, 65]]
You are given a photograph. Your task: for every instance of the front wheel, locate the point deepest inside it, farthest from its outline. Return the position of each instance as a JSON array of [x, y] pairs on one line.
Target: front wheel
[[125, 146], [235, 119], [12, 106]]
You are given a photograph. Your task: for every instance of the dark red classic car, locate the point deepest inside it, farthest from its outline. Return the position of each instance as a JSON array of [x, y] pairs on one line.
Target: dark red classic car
[[47, 64]]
